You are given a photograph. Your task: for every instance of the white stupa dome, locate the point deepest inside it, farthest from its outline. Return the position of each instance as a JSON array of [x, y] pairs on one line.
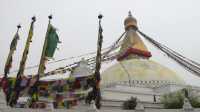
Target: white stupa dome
[[138, 69]]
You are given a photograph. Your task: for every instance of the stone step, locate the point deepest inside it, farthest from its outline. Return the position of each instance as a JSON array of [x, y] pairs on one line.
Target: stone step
[[153, 105], [118, 104]]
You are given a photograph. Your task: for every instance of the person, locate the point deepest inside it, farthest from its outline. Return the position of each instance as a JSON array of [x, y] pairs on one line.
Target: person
[[154, 98]]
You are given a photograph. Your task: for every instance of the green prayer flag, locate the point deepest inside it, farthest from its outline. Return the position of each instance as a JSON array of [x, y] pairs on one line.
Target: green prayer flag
[[11, 52], [14, 42], [52, 41]]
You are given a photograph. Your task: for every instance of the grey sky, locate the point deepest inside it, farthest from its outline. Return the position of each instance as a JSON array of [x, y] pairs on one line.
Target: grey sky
[[174, 23]]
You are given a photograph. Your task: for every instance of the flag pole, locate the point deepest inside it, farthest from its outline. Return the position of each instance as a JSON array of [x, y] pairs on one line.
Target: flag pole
[[42, 59], [4, 83], [26, 49], [96, 89], [15, 94], [34, 86]]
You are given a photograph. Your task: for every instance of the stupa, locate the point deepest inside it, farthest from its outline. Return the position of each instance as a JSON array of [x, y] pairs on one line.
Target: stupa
[[134, 61], [133, 73]]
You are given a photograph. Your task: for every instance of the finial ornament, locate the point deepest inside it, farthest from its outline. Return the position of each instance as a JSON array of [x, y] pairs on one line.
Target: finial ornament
[[129, 13], [18, 26], [33, 18], [50, 16], [100, 16]]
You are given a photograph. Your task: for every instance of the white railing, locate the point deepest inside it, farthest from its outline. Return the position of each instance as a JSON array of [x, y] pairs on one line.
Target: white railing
[[140, 83]]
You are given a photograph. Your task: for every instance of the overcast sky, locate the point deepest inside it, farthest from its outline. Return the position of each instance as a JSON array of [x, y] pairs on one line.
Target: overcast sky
[[174, 23]]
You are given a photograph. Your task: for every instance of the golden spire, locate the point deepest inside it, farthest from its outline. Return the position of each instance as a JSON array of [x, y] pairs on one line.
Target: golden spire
[[130, 21], [132, 43]]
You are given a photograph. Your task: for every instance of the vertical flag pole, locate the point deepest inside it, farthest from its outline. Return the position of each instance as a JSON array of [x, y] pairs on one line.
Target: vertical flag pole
[[96, 89], [15, 94], [42, 59], [4, 82], [41, 68]]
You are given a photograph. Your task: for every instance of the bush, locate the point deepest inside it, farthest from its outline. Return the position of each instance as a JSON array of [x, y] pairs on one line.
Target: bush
[[173, 100], [195, 102], [130, 104], [192, 96]]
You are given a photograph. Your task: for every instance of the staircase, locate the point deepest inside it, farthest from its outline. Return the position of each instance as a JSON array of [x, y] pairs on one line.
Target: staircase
[[117, 104]]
